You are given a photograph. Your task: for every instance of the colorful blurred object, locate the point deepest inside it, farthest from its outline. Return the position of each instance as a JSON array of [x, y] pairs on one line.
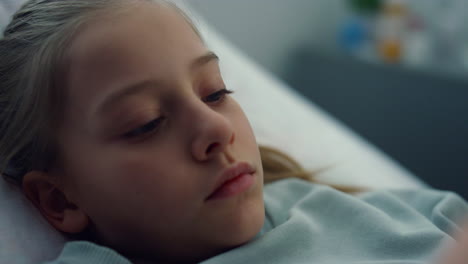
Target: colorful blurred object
[[424, 34], [366, 6], [354, 34], [390, 29]]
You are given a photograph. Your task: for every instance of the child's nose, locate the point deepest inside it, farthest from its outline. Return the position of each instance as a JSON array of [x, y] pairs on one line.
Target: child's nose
[[212, 137]]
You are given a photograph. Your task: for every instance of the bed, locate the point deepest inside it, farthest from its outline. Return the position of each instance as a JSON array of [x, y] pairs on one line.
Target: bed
[[280, 118]]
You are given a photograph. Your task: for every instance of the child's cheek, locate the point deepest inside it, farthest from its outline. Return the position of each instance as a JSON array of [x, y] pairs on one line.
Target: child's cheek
[[155, 185]]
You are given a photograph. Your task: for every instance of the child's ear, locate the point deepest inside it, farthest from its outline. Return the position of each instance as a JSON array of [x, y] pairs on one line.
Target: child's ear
[[47, 196]]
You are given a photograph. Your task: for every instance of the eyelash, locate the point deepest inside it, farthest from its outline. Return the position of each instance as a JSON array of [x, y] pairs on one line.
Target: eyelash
[[152, 126]]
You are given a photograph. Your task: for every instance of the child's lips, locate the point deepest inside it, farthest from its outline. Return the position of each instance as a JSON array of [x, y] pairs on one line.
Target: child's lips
[[233, 180], [234, 186]]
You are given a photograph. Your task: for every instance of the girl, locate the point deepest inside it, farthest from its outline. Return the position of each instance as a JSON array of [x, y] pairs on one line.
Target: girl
[[119, 128]]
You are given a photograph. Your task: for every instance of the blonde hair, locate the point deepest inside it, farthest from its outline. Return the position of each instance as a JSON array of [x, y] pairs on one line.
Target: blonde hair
[[278, 165], [31, 101]]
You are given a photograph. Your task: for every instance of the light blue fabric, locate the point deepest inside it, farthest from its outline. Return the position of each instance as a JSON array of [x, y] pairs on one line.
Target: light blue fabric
[[81, 252], [308, 223]]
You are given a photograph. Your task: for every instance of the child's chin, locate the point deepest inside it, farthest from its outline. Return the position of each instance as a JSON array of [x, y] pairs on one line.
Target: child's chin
[[247, 234]]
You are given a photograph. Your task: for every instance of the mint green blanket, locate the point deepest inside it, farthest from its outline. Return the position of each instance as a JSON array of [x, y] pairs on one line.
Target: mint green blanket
[[308, 223]]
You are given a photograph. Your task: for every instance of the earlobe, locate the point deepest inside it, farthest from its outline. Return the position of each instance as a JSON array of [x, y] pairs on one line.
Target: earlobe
[[43, 191]]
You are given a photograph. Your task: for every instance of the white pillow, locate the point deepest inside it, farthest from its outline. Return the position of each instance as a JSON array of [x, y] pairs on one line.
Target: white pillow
[[7, 8], [25, 236], [279, 116]]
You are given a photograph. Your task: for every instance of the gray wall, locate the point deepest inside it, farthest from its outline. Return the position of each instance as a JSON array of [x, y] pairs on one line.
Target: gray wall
[[267, 30]]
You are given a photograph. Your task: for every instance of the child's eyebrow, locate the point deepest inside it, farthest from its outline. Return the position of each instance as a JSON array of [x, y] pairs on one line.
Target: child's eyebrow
[[200, 61], [113, 97]]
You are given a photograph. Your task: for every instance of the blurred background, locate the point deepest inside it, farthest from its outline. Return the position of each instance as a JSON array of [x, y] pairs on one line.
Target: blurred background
[[395, 71]]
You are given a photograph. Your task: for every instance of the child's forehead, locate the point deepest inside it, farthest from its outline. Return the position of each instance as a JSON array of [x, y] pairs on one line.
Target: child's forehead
[[142, 43], [119, 40], [135, 23]]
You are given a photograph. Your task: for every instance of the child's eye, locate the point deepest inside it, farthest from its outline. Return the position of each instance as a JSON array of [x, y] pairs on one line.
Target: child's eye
[[143, 130], [152, 126], [218, 96]]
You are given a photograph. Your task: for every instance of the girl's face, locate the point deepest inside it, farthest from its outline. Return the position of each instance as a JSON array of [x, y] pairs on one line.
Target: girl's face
[[147, 135]]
